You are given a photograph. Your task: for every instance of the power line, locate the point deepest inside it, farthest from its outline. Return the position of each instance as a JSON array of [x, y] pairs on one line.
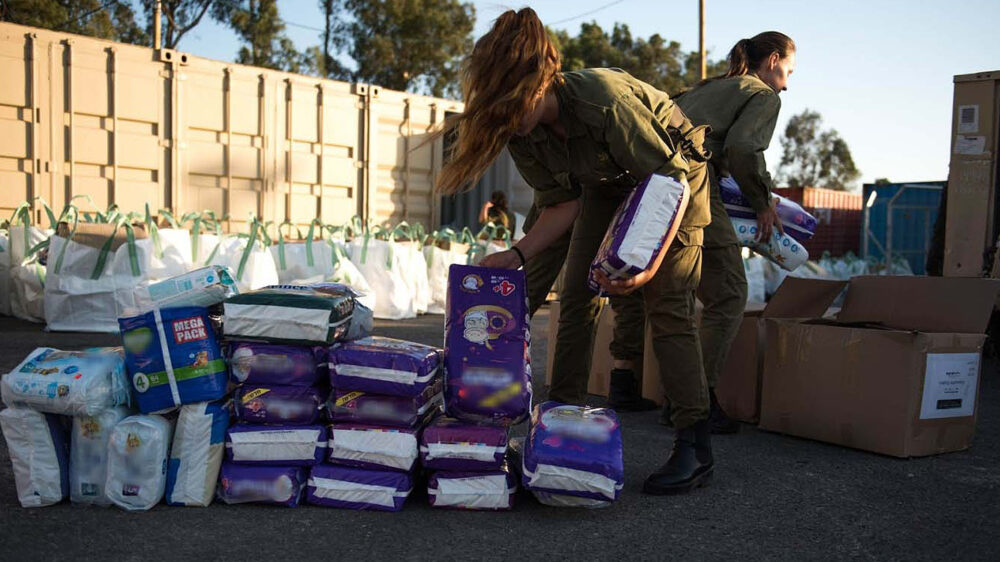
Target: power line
[[585, 14]]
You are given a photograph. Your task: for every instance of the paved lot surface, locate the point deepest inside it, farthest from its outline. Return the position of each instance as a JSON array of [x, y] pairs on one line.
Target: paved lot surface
[[773, 497]]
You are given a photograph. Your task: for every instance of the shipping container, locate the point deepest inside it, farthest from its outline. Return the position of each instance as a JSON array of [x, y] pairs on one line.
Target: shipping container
[[129, 125], [838, 219], [899, 221]]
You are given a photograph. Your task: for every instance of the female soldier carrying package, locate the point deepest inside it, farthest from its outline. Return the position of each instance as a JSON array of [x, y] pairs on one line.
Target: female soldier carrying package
[[741, 107], [583, 140]]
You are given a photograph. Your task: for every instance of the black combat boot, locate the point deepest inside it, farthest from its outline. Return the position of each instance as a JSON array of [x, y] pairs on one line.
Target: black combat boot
[[720, 421], [624, 394], [665, 414], [689, 465]]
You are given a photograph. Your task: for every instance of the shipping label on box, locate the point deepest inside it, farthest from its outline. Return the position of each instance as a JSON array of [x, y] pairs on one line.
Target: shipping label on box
[[950, 383]]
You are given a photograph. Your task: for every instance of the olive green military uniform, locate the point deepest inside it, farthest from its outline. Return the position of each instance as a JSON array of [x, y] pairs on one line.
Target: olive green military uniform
[[617, 132], [742, 112]]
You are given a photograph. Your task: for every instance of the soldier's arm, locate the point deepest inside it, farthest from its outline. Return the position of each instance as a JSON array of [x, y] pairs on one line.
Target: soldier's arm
[[746, 141]]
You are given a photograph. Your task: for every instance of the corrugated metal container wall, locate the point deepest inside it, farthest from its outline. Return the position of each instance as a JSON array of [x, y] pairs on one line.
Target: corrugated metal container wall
[[900, 221], [129, 125], [838, 216]]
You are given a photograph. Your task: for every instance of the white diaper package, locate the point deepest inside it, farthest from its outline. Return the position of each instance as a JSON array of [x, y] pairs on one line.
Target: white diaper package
[[88, 458], [196, 453], [782, 249], [72, 383], [36, 443], [137, 462]]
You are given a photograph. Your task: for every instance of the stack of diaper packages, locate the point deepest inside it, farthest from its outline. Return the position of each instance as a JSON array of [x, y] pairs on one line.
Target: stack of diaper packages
[[51, 396], [487, 390], [384, 392], [786, 249]]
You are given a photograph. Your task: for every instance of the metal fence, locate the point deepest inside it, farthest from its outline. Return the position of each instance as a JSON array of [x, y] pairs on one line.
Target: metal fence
[[899, 221]]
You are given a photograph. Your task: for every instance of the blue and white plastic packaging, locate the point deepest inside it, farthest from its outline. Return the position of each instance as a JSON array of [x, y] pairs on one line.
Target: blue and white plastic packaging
[[88, 458], [72, 383], [782, 249], [798, 223], [38, 450], [196, 453], [137, 462]]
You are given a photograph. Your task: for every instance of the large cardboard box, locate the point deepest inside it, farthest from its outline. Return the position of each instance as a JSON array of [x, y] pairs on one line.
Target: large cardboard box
[[897, 373]]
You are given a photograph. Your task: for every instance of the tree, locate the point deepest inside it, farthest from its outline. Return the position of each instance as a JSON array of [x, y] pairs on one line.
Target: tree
[[180, 17], [813, 157], [260, 28], [112, 20], [660, 63], [413, 45]]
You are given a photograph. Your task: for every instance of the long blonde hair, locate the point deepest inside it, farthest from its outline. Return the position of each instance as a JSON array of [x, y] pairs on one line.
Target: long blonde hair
[[501, 81]]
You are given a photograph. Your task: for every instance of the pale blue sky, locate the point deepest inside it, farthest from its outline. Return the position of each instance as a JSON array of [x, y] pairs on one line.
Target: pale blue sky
[[879, 71]]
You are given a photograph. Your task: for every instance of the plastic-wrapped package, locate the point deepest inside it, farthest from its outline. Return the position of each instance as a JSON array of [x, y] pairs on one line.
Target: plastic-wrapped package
[[196, 453], [5, 273], [384, 366], [487, 358], [72, 383], [279, 485], [646, 221], [296, 314], [173, 358], [450, 444], [38, 450], [575, 451], [563, 500], [265, 363], [137, 462], [206, 286], [277, 404], [358, 488], [292, 445], [399, 411], [782, 249], [491, 490], [798, 223], [248, 258], [372, 446], [88, 458]]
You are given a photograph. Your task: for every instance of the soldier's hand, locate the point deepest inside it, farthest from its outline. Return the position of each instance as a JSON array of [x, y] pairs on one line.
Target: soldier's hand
[[506, 259], [620, 287], [767, 221]]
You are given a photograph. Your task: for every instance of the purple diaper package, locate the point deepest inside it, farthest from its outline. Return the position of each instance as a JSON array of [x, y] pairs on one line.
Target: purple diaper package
[[265, 363], [372, 446], [358, 488], [384, 366], [798, 223], [574, 451], [644, 223], [277, 404], [279, 485], [363, 407], [492, 490], [451, 444], [487, 345], [288, 445]]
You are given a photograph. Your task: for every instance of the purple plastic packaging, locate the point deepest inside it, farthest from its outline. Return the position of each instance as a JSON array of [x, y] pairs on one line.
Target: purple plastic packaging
[[383, 366], [277, 404], [357, 488], [487, 345], [798, 223], [640, 227], [491, 490], [278, 485], [373, 446], [362, 407], [450, 444], [287, 445], [587, 441], [265, 363]]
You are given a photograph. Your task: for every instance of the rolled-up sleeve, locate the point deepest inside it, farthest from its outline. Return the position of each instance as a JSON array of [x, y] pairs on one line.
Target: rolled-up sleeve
[[549, 190], [639, 142], [746, 141]]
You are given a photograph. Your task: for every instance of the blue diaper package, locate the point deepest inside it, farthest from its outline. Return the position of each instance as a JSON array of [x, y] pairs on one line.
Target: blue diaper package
[[172, 357]]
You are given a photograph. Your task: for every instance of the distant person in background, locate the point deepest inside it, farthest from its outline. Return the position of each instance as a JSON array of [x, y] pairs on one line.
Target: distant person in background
[[495, 211], [742, 108]]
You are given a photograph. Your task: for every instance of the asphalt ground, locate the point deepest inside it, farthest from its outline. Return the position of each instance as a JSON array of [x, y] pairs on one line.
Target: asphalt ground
[[773, 497]]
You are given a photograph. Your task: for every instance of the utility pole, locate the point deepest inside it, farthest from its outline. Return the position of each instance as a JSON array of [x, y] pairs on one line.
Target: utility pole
[[157, 16], [701, 35]]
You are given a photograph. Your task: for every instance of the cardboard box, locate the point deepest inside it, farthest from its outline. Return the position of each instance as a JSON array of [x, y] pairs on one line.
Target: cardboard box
[[95, 234], [897, 373]]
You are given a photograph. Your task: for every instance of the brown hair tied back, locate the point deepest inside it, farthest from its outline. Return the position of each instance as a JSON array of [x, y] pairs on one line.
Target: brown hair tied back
[[501, 81], [748, 54]]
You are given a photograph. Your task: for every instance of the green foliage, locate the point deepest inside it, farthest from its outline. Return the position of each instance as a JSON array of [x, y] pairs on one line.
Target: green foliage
[[813, 157], [96, 18], [657, 61], [179, 17], [261, 31]]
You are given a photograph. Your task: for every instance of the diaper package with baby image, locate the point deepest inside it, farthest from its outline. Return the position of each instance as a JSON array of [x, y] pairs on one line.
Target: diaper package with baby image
[[72, 383], [266, 363]]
